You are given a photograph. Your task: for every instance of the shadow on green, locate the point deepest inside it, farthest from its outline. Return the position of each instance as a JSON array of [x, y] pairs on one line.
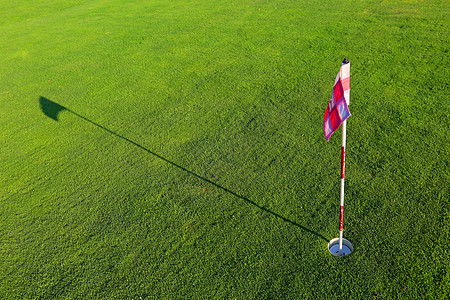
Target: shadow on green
[[51, 109]]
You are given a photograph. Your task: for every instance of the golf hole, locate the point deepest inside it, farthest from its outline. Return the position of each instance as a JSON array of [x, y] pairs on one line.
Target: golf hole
[[333, 247]]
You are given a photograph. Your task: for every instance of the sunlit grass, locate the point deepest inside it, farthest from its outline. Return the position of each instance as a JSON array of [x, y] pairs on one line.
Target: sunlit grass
[[174, 149]]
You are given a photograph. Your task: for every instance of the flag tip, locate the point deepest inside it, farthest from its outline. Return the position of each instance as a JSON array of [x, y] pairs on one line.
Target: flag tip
[[345, 61]]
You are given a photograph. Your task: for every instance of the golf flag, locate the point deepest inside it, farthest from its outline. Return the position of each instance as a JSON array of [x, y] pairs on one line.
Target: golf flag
[[337, 111]]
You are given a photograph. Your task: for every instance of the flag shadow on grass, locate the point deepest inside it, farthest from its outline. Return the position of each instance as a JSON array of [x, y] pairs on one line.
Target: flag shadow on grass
[[51, 109]]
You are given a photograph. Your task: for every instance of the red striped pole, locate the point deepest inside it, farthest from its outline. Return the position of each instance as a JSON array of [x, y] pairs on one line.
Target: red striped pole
[[340, 246], [341, 219], [344, 140]]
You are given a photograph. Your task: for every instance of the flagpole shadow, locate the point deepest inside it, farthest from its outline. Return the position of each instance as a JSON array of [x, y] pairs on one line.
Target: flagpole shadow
[[51, 109]]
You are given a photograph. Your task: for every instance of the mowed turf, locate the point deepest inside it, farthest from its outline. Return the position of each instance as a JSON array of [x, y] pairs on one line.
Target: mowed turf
[[174, 149]]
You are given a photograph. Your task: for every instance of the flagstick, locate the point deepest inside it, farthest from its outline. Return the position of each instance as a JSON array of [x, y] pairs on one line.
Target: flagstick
[[344, 140], [340, 246], [341, 219]]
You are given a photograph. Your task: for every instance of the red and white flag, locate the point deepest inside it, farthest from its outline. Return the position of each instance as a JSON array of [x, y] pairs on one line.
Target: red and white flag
[[337, 111]]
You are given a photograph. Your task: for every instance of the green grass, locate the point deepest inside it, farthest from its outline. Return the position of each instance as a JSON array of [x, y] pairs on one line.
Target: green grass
[[190, 162]]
